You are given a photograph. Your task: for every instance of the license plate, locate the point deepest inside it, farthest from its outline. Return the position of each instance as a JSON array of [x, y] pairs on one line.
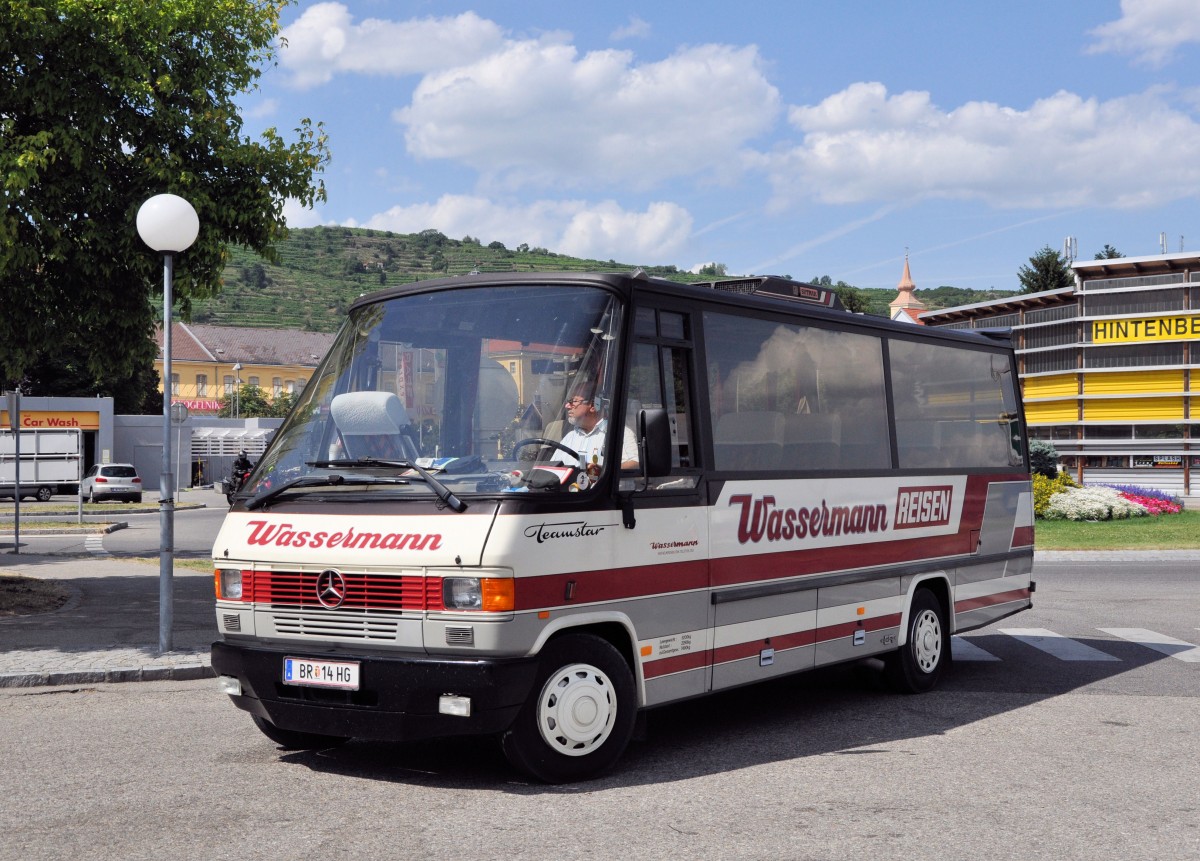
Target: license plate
[[321, 674]]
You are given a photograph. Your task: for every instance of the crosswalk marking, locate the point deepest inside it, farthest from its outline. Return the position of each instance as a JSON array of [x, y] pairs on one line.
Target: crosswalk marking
[[964, 650], [1178, 649], [94, 544], [1063, 648]]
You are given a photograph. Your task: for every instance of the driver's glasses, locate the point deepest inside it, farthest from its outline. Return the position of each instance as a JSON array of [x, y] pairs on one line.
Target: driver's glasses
[[573, 402]]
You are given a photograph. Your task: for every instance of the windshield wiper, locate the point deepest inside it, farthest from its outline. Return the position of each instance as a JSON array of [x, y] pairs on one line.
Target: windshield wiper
[[444, 494], [314, 481]]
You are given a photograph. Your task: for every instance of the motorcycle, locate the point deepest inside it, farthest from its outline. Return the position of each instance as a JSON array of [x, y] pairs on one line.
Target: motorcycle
[[236, 481]]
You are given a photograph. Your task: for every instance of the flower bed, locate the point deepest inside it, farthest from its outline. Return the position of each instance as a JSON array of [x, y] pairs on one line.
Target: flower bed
[[1101, 502]]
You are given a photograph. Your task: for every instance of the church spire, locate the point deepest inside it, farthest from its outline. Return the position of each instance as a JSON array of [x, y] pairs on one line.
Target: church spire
[[906, 305]]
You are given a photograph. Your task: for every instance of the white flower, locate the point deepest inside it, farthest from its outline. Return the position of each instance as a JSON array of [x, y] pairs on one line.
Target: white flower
[[1092, 503]]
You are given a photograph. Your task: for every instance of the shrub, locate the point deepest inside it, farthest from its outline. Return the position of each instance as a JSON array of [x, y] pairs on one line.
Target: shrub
[[1091, 503], [1044, 488], [1043, 458]]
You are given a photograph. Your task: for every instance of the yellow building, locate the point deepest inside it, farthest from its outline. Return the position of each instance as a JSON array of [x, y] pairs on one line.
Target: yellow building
[[1110, 368], [208, 363]]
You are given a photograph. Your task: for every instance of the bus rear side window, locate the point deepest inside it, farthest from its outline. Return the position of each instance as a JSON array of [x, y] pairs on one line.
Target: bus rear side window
[[951, 408]]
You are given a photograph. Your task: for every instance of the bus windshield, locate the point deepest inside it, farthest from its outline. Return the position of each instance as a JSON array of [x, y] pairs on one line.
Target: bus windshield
[[470, 389]]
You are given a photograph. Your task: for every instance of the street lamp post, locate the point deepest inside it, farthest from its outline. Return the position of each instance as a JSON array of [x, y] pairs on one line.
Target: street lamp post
[[169, 225], [237, 389]]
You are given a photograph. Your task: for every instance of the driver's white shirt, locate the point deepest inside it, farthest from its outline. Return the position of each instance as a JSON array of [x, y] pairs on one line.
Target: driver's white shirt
[[589, 444]]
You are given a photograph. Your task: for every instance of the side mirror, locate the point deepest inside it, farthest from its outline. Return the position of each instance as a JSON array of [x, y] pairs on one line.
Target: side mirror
[[654, 440]]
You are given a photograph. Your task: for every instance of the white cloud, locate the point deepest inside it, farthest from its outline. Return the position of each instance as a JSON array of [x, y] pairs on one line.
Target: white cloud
[[1150, 30], [594, 230], [635, 29], [538, 114], [864, 145], [324, 40], [297, 215]]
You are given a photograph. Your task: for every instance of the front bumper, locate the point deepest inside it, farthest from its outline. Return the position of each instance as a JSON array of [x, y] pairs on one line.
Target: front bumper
[[397, 699]]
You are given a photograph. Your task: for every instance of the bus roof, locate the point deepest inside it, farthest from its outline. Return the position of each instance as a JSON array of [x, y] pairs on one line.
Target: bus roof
[[766, 292]]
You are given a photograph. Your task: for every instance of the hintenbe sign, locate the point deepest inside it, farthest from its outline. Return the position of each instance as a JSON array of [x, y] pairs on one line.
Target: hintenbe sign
[[1145, 329]]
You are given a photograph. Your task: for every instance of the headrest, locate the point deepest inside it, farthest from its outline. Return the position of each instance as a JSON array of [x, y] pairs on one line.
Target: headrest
[[368, 413]]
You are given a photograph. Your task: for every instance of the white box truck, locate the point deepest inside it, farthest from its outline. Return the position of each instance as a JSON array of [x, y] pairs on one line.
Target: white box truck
[[50, 462]]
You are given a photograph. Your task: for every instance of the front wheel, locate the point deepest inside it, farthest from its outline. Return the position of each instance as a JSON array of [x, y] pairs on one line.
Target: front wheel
[[580, 715], [920, 662], [293, 739], [44, 494]]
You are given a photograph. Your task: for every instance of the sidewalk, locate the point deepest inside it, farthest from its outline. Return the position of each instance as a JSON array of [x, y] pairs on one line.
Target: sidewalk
[[108, 629]]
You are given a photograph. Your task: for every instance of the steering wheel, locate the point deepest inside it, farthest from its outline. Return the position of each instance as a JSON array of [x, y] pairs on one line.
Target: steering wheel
[[526, 473], [537, 440]]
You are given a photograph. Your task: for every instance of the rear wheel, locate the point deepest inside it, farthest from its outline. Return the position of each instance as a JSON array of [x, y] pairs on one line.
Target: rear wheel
[[580, 715], [920, 662], [293, 739], [44, 494], [92, 497]]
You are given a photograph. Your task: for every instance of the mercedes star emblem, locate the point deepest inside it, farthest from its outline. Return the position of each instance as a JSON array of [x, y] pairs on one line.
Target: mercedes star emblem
[[331, 589]]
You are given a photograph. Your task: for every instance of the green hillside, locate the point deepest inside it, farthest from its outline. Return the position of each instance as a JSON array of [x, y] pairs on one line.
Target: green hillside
[[321, 270]]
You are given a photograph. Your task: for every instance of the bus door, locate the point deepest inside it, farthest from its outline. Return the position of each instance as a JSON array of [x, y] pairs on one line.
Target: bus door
[[674, 626]]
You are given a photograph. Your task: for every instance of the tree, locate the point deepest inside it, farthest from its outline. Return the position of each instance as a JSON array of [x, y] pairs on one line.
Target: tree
[[1108, 253], [282, 404], [1043, 458], [105, 104], [717, 269], [251, 403], [1048, 270]]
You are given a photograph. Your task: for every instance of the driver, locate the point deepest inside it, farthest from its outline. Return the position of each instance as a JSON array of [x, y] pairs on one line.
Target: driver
[[586, 437]]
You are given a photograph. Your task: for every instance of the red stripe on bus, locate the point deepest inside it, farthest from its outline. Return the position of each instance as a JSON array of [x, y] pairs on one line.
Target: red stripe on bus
[[968, 604], [675, 664], [733, 570], [1022, 536], [609, 584], [778, 642]]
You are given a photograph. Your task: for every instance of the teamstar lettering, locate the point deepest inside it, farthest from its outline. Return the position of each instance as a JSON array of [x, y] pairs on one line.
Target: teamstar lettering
[[285, 535], [544, 532], [762, 519]]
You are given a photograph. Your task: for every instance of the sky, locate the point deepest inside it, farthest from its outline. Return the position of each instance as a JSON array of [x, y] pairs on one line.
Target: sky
[[793, 137]]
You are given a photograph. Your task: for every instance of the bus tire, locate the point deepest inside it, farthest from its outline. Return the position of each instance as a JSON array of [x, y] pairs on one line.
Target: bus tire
[[916, 667], [291, 739], [580, 714]]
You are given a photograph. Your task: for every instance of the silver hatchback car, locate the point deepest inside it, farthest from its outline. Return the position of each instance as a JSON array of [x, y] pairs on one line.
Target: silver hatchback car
[[111, 481]]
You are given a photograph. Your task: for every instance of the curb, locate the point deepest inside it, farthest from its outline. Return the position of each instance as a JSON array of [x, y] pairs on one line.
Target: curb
[[178, 673]]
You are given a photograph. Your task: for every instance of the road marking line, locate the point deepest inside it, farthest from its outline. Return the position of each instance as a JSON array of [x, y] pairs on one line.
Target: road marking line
[[1178, 649], [965, 650], [94, 544], [1063, 648]]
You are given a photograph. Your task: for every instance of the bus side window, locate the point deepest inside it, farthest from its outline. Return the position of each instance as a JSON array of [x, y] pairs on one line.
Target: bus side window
[[787, 397]]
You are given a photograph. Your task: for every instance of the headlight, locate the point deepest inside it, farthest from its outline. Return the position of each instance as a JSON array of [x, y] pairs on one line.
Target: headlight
[[228, 582], [489, 594]]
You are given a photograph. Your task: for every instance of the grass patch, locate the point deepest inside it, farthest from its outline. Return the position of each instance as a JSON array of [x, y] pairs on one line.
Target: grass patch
[[205, 565], [1164, 532], [56, 525]]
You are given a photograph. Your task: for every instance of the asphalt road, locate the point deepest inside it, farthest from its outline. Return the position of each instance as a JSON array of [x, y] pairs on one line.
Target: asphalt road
[[197, 521], [1032, 748]]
